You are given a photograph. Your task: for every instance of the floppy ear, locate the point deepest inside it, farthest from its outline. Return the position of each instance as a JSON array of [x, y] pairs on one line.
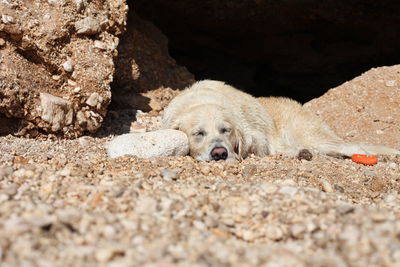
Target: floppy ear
[[238, 144], [170, 123], [175, 125]]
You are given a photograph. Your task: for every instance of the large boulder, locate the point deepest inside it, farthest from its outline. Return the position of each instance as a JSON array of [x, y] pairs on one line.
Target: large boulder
[[365, 109], [57, 63]]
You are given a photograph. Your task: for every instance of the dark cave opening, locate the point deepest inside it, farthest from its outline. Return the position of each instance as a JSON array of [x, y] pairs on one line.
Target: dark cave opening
[[298, 49]]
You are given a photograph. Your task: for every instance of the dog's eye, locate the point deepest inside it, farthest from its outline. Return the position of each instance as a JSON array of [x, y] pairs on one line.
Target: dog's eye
[[225, 130], [199, 133]]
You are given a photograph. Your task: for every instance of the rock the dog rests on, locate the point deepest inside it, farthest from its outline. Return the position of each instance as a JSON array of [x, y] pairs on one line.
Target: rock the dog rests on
[[150, 144]]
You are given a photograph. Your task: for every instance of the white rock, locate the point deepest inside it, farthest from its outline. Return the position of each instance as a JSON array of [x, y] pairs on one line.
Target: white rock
[[390, 83], [100, 45], [7, 19], [71, 82], [288, 190], [274, 233], [392, 165], [104, 254], [93, 99], [67, 65], [269, 188], [297, 230], [150, 144], [169, 175], [326, 186], [56, 111], [80, 4], [52, 2], [87, 26], [146, 205]]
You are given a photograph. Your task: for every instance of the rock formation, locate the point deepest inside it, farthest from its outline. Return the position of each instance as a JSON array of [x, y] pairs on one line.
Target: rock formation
[[57, 63]]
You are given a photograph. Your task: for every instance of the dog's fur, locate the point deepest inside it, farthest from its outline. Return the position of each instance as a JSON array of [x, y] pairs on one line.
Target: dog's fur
[[214, 114]]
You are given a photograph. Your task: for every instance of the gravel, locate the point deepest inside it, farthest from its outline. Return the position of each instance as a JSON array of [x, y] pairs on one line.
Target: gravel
[[64, 203]]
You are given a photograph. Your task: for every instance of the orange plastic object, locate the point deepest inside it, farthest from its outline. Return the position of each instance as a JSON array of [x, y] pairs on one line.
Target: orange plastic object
[[364, 159]]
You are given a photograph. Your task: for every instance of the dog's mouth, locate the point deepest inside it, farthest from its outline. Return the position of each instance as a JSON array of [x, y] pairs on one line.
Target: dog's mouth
[[219, 153]]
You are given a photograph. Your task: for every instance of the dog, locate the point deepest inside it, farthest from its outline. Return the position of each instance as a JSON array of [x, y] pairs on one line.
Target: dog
[[224, 123]]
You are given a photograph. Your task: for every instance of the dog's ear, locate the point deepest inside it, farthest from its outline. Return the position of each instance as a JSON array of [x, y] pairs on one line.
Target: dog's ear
[[175, 125], [239, 143], [169, 123]]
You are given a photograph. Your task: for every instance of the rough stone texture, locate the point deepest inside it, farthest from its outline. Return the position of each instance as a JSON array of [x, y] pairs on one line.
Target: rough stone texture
[[146, 77], [149, 144], [60, 48], [366, 108], [56, 111]]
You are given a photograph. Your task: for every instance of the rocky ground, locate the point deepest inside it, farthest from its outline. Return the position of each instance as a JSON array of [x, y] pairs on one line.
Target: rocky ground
[[64, 203]]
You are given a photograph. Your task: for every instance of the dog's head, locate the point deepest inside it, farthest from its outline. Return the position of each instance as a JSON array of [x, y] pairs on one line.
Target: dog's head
[[212, 134]]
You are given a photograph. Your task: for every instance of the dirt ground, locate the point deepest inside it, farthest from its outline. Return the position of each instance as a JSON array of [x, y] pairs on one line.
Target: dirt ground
[[63, 203]]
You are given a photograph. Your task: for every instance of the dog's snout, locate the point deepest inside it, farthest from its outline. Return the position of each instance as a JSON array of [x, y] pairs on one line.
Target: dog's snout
[[219, 153]]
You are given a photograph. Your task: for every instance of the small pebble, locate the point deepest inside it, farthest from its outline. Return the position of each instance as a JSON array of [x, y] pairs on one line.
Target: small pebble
[[264, 214], [370, 173], [87, 26], [11, 189], [248, 235], [104, 254], [392, 165], [378, 216], [345, 208], [339, 188], [7, 19], [71, 82], [390, 83], [297, 230], [67, 66], [305, 154], [80, 4], [269, 188], [169, 175], [84, 141], [100, 45], [289, 182], [288, 190], [93, 99], [326, 186], [274, 233], [8, 170]]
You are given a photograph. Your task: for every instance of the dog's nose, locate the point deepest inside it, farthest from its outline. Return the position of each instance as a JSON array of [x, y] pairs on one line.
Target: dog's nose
[[219, 153]]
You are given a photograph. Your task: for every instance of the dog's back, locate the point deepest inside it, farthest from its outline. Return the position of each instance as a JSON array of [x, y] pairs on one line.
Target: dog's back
[[300, 128]]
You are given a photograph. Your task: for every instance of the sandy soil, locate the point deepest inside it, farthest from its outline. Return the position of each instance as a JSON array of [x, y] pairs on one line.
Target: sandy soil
[[63, 203]]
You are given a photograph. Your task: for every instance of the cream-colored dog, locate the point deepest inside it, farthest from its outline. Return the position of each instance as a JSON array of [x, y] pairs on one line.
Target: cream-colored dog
[[222, 122]]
